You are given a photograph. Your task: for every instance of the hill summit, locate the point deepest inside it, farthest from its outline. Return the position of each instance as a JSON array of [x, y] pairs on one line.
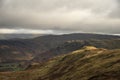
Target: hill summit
[[89, 48]]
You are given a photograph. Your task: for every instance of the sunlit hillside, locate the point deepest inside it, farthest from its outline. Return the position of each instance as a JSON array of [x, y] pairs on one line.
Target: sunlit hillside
[[88, 63]]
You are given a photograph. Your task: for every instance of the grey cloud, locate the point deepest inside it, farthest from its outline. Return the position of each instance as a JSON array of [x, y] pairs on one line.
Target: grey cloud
[[46, 5], [61, 15], [1, 3], [116, 12]]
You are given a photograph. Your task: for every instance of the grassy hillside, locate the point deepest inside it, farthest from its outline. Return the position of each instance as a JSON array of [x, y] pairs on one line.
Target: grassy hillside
[[17, 50], [73, 45], [88, 63]]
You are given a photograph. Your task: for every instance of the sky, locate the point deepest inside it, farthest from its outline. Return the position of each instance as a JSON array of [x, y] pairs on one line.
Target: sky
[[60, 16]]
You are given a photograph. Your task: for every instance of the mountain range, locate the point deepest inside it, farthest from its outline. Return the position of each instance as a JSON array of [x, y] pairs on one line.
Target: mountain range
[[18, 52], [14, 50]]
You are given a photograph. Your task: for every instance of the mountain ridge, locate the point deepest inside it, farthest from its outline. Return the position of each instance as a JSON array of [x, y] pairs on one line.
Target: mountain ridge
[[43, 48]]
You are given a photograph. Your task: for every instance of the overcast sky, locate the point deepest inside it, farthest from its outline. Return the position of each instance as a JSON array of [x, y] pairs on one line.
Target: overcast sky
[[59, 16]]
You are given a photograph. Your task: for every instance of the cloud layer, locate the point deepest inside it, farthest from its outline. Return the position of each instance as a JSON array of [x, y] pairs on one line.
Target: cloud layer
[[61, 15], [25, 31]]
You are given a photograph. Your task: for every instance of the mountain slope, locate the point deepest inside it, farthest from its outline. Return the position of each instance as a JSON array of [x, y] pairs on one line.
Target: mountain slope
[[46, 47], [12, 51], [73, 45], [52, 41], [88, 63], [18, 36]]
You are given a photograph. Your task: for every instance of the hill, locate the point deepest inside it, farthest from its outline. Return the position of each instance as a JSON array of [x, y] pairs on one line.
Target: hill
[[26, 49], [43, 48], [88, 63], [73, 45], [19, 36], [14, 53]]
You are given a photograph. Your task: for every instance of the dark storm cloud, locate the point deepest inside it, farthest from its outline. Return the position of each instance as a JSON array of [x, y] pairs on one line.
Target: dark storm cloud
[[61, 15]]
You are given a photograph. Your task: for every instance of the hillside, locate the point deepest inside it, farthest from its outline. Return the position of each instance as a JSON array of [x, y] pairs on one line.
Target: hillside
[[43, 48], [15, 53], [27, 49], [88, 63], [52, 41], [19, 36], [73, 45]]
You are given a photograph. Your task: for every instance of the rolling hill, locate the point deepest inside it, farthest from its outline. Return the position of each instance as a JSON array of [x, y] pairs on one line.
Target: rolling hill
[[43, 48], [73, 45], [19, 36], [27, 49], [87, 63]]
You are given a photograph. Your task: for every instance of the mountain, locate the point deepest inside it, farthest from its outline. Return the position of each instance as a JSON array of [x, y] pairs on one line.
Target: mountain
[[15, 53], [51, 41], [45, 47], [18, 36], [87, 63], [70, 46]]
